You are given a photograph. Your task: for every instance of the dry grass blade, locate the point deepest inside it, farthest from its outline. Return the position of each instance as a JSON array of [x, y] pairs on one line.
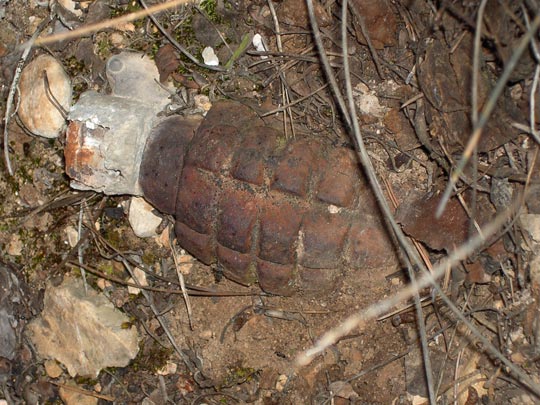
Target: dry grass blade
[[161, 320], [476, 62], [180, 275], [285, 96], [326, 63], [114, 22], [194, 291], [78, 390]]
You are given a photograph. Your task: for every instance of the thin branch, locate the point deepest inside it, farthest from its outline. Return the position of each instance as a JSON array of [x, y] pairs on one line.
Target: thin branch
[[476, 62], [426, 278], [366, 163], [175, 43], [109, 23], [160, 319], [326, 63], [486, 113], [14, 87]]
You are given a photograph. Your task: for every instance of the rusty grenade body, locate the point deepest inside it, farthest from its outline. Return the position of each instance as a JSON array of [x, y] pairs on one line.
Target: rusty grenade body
[[290, 214]]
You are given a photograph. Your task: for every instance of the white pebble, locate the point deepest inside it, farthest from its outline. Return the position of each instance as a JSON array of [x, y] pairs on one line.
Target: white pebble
[[209, 56], [142, 218]]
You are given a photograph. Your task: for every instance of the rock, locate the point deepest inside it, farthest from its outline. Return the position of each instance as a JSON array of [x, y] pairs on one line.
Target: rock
[[209, 56], [8, 338], [379, 20], [36, 111], [53, 369], [75, 397], [202, 102], [343, 389], [72, 7], [168, 369], [142, 218], [417, 216], [11, 295], [367, 102], [140, 275], [281, 382], [82, 330], [531, 223], [15, 245]]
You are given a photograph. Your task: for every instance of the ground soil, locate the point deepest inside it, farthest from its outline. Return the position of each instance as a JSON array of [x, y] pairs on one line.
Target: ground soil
[[243, 349]]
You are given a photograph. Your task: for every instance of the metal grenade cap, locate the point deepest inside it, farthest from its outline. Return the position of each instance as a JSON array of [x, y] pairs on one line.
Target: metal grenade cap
[[107, 132]]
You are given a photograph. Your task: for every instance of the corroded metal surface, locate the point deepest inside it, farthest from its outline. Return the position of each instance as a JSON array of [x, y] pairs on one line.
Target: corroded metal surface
[[288, 214], [107, 132]]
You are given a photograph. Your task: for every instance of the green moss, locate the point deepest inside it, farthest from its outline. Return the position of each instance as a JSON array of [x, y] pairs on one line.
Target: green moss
[[13, 184], [131, 7], [74, 66], [154, 49], [238, 375], [113, 236], [37, 259], [106, 268], [210, 9], [149, 258], [129, 324], [152, 357], [281, 143], [85, 381], [103, 45]]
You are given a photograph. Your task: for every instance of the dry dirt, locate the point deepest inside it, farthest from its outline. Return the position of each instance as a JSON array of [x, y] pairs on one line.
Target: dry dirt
[[414, 111]]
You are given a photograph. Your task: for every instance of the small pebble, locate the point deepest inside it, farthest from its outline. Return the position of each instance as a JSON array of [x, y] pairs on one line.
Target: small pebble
[[52, 369], [140, 275], [15, 246], [167, 369], [258, 43], [206, 334], [142, 218], [202, 102], [281, 381], [209, 56], [72, 235]]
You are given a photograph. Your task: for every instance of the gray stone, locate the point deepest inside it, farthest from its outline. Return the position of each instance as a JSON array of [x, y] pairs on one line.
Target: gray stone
[[82, 331], [10, 297], [8, 338]]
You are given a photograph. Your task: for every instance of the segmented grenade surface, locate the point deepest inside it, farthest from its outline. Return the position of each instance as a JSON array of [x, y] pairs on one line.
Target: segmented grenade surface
[[289, 214]]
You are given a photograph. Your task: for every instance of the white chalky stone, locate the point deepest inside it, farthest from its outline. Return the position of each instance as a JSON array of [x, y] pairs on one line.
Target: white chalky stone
[[142, 218]]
